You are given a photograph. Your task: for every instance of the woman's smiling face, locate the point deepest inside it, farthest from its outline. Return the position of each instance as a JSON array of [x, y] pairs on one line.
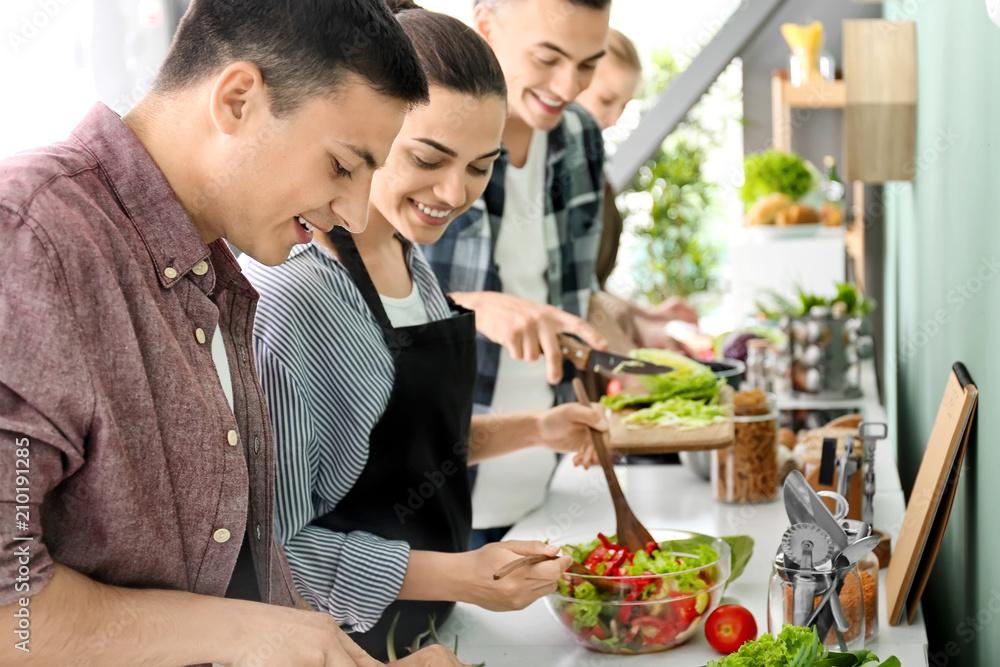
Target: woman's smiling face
[[439, 163]]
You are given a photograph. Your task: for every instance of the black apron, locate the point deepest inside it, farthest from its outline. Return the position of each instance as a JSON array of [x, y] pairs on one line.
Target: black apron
[[415, 486]]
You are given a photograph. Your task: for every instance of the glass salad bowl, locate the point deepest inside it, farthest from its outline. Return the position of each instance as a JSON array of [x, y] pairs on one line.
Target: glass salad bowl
[[640, 603]]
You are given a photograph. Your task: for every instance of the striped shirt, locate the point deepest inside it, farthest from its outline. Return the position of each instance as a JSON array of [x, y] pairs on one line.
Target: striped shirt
[[327, 374]]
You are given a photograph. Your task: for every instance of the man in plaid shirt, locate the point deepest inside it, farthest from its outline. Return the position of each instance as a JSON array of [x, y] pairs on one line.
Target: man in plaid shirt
[[523, 256]]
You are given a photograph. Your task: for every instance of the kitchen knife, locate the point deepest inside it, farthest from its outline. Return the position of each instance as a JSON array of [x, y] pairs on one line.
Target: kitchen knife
[[585, 358]]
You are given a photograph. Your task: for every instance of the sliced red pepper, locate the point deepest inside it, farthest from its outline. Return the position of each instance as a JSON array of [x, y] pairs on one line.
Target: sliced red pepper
[[598, 555], [651, 547], [614, 561], [608, 544]]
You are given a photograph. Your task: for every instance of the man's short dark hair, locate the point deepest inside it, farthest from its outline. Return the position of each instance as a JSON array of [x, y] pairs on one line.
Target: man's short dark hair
[[303, 48], [593, 4]]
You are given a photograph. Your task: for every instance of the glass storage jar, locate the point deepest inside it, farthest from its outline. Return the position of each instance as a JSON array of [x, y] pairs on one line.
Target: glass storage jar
[[781, 594], [747, 471]]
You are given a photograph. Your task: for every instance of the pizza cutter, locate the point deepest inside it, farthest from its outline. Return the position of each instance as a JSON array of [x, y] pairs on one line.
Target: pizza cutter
[[805, 547]]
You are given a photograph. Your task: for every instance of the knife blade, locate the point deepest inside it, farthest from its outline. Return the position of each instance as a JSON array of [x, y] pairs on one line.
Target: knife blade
[[585, 358], [616, 363]]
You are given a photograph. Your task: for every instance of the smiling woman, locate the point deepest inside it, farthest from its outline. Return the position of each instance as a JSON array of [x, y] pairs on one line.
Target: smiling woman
[[368, 370]]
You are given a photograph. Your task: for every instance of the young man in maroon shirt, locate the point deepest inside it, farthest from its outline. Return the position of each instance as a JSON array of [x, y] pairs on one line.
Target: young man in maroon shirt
[[136, 456]]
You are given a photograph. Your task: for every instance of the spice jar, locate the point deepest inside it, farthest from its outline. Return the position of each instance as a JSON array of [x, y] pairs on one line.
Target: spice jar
[[868, 568], [747, 471]]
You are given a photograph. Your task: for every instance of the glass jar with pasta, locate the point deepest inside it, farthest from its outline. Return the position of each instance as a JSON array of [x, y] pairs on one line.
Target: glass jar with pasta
[[747, 471]]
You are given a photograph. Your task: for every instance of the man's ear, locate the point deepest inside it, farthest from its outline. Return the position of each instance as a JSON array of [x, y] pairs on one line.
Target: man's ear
[[483, 20], [238, 92]]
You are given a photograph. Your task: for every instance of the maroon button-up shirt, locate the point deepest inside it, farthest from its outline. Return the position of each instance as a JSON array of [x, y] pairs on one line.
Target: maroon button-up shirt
[[116, 457]]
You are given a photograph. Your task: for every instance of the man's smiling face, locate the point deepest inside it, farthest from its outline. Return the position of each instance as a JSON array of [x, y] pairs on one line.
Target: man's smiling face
[[281, 177], [548, 50]]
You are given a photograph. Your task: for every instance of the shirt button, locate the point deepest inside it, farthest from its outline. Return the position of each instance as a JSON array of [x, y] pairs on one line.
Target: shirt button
[[199, 335], [221, 536], [200, 269], [233, 437], [258, 531], [170, 272], [256, 444]]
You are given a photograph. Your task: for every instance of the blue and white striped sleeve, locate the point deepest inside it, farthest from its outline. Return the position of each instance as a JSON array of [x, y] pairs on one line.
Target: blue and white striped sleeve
[[352, 576]]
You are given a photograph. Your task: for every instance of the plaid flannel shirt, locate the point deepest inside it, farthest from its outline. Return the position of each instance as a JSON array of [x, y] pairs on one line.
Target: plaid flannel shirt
[[463, 258]]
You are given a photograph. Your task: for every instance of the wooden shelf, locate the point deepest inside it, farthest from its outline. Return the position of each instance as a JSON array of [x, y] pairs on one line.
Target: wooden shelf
[[814, 95], [785, 97]]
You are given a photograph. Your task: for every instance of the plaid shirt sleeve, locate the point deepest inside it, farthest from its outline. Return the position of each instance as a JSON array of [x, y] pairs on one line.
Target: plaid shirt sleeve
[[463, 258]]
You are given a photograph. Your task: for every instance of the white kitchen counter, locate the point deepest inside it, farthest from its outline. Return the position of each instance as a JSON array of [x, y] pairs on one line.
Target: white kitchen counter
[[662, 496]]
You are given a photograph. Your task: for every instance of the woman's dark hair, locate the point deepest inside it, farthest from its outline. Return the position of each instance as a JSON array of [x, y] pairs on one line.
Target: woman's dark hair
[[453, 55], [303, 48]]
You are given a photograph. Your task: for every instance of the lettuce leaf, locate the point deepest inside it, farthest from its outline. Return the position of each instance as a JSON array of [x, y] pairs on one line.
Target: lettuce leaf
[[683, 413], [689, 379], [768, 651]]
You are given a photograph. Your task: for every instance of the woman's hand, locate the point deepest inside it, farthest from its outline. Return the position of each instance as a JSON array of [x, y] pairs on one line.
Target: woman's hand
[[567, 429], [519, 588], [528, 330]]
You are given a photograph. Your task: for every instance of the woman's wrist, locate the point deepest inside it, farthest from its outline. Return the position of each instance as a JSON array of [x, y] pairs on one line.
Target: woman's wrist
[[434, 576]]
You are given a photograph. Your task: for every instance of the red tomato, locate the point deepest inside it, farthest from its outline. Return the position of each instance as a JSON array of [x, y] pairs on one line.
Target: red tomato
[[614, 387], [729, 627]]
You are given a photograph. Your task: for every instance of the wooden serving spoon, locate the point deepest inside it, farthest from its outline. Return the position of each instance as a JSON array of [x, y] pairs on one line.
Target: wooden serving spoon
[[631, 532]]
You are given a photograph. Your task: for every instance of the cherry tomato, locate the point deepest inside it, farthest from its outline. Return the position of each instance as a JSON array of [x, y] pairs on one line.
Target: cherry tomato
[[614, 387], [729, 627]]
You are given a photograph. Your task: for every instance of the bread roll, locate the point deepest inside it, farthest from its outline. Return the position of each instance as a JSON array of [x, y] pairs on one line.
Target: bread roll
[[797, 215], [765, 209]]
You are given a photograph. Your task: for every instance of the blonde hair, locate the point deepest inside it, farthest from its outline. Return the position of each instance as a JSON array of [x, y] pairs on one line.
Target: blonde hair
[[622, 48]]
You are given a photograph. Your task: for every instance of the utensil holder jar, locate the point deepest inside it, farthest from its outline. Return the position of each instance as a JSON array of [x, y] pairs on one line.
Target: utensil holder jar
[[780, 596]]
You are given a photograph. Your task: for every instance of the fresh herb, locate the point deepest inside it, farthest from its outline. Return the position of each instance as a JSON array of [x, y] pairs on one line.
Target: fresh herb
[[848, 302], [774, 171], [431, 631]]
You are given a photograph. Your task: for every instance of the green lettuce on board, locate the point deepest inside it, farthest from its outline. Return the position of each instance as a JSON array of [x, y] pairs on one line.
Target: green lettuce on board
[[683, 413], [689, 380]]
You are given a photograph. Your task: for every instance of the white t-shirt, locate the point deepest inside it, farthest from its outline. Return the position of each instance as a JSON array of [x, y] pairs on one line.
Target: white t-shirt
[[406, 312], [509, 487], [221, 361]]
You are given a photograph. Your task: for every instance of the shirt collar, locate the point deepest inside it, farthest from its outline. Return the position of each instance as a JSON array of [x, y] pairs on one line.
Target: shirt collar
[[170, 236]]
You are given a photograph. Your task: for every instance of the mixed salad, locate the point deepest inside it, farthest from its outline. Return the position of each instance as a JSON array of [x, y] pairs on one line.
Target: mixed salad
[[648, 612]]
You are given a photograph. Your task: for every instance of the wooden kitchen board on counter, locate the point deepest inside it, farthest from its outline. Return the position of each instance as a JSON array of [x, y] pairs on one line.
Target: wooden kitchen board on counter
[[669, 440], [930, 502]]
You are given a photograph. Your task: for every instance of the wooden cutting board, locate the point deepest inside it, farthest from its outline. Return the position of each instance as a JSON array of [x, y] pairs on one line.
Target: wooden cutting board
[[668, 440], [930, 502]]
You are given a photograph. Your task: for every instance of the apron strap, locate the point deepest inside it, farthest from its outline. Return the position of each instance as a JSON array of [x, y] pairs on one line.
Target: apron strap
[[351, 259]]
